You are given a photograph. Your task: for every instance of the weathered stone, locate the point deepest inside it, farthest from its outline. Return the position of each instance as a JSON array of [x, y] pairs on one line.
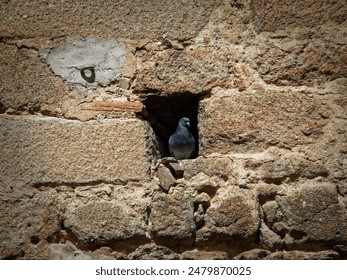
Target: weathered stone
[[306, 207], [331, 149], [301, 255], [106, 253], [204, 255], [34, 84], [278, 166], [153, 252], [204, 68], [254, 254], [297, 60], [172, 217], [232, 217], [100, 223], [199, 216], [269, 17], [205, 184], [210, 166], [166, 180], [29, 218], [269, 238], [291, 168], [203, 199], [270, 209], [67, 251], [290, 56], [249, 122], [158, 19], [49, 150]]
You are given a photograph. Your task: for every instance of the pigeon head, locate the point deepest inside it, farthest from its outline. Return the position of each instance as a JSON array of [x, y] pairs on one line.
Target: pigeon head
[[184, 122]]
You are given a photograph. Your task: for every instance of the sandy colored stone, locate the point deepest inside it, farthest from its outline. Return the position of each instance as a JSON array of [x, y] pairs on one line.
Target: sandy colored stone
[[50, 150], [306, 211], [153, 252], [204, 255], [29, 218], [27, 84], [166, 179], [302, 255], [232, 217], [100, 223], [278, 166], [130, 19], [66, 251], [172, 217], [270, 16], [269, 239], [210, 166], [254, 254], [253, 121], [298, 60], [195, 70]]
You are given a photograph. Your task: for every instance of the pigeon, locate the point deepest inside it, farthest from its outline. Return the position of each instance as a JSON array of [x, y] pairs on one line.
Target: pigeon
[[182, 142]]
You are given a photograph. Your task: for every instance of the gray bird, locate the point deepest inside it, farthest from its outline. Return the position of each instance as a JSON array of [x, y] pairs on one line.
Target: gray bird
[[182, 142]]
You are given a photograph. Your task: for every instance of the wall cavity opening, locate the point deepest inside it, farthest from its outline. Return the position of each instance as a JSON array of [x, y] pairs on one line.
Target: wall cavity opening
[[164, 112]]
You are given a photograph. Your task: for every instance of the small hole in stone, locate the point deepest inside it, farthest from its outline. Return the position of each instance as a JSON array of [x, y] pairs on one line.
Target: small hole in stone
[[297, 234], [29, 224], [62, 226], [164, 112], [34, 240]]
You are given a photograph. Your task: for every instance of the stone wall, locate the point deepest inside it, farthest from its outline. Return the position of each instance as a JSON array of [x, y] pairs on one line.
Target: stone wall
[[91, 91]]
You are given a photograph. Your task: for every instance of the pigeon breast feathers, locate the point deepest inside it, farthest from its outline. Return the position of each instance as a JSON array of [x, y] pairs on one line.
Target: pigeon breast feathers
[[182, 142]]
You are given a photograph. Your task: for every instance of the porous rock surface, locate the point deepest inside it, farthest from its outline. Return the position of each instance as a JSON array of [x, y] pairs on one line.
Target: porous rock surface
[[83, 173]]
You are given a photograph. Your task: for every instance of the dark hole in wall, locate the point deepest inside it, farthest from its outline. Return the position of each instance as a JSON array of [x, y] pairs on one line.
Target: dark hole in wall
[[164, 112], [2, 108]]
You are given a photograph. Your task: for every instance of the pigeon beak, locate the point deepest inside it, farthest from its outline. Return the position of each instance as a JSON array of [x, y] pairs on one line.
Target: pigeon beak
[[188, 124]]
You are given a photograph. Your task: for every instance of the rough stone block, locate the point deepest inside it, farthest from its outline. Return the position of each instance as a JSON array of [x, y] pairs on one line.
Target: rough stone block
[[28, 218], [302, 255], [254, 254], [232, 217], [246, 122], [308, 211], [269, 16], [100, 223], [204, 68], [50, 150], [205, 255], [269, 238], [153, 252], [278, 166], [172, 217], [123, 18], [211, 166], [166, 179], [25, 83]]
